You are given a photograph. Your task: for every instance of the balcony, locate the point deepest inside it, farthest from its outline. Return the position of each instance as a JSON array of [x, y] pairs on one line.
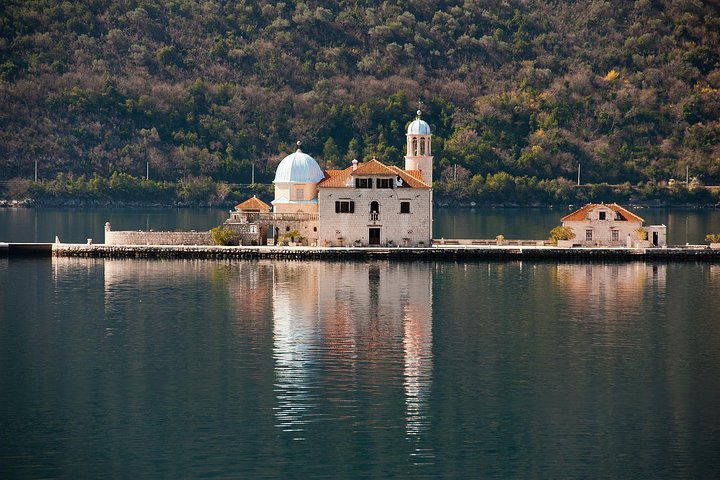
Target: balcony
[[270, 217]]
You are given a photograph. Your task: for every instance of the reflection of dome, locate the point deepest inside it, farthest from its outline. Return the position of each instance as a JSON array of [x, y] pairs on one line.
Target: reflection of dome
[[298, 167], [418, 126]]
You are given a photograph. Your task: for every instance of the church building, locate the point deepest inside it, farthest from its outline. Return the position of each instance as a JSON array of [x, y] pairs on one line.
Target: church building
[[365, 204]]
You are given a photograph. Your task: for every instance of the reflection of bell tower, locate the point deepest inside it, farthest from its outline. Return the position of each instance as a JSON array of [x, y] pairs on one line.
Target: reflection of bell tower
[[419, 148]]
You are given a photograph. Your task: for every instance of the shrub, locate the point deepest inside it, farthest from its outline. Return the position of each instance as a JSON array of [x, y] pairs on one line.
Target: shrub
[[712, 237], [561, 233], [224, 236]]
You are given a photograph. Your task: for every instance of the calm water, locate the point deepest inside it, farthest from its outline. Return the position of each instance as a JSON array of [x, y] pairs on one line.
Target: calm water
[[177, 369], [77, 225]]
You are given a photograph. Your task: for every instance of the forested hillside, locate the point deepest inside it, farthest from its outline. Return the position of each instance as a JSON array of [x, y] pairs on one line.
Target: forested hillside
[[513, 89]]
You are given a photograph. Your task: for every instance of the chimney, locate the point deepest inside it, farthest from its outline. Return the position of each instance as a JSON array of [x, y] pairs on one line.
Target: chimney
[[354, 164]]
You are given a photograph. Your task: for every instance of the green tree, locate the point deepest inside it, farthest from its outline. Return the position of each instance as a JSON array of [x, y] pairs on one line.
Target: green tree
[[331, 154], [561, 233], [224, 236]]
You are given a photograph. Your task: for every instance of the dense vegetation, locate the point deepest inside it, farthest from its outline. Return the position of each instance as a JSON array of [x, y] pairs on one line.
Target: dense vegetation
[[518, 91]]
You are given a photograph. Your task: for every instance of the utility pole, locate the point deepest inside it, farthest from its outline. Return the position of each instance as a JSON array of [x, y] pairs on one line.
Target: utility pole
[[687, 176], [578, 174], [35, 169], [253, 173], [147, 170]]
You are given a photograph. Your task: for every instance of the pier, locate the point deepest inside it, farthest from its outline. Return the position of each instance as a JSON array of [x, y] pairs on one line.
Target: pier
[[437, 252], [25, 249]]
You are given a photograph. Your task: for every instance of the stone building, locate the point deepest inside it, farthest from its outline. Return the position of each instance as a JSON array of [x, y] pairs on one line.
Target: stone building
[[248, 221], [374, 204], [365, 204], [611, 225]]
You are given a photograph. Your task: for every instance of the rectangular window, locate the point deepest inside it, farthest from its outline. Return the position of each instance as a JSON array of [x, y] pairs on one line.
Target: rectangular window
[[404, 207], [588, 235], [615, 235], [300, 194], [601, 215], [385, 182], [363, 183], [344, 206]]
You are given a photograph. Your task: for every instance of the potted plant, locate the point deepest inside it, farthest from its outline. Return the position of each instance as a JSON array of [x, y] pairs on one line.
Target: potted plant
[[357, 243], [714, 239], [500, 239]]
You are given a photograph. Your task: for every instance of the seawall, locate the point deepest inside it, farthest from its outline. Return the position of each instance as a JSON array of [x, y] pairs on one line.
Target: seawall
[[129, 237], [360, 253]]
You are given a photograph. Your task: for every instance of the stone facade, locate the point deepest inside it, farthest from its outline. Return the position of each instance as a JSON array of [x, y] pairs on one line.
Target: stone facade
[[411, 229], [610, 225], [155, 238], [264, 228]]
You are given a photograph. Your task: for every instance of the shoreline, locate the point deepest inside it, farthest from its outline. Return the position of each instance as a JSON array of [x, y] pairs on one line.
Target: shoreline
[[438, 252], [29, 203]]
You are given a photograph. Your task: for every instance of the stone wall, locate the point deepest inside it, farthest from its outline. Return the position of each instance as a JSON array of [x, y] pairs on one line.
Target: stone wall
[[452, 253], [156, 238]]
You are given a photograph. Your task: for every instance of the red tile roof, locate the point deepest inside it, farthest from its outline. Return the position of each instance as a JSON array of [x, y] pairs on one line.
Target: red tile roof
[[373, 167], [335, 178], [340, 178], [582, 213], [253, 203]]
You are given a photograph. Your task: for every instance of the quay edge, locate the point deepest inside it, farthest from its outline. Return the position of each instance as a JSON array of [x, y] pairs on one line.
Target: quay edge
[[698, 253]]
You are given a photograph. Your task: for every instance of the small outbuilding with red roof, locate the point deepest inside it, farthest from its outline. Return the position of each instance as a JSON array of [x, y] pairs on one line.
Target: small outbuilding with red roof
[[610, 225]]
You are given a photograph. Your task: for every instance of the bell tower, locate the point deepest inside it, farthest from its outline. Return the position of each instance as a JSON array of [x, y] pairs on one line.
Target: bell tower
[[419, 148]]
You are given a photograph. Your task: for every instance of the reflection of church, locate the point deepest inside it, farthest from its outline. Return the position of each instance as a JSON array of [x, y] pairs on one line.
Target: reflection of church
[[350, 325], [368, 203]]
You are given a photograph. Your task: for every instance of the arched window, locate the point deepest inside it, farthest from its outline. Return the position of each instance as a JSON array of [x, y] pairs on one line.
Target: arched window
[[414, 146], [422, 146], [374, 211]]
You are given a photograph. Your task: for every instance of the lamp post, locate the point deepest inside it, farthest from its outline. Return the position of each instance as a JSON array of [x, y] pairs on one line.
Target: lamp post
[[36, 169]]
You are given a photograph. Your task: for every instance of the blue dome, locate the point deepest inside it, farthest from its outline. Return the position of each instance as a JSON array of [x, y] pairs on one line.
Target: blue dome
[[418, 127], [298, 167]]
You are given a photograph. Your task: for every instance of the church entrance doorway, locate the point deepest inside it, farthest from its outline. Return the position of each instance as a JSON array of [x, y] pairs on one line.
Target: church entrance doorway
[[374, 236]]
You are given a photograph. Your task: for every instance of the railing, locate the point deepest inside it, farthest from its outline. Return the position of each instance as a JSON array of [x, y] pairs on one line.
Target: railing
[[374, 216], [482, 241], [256, 217]]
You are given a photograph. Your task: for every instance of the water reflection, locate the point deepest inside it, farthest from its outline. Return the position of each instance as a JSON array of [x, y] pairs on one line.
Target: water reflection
[[596, 288], [218, 369], [342, 330], [295, 344]]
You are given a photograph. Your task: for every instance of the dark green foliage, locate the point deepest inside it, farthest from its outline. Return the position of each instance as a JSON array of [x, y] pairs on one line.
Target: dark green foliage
[[122, 188], [202, 90], [224, 236]]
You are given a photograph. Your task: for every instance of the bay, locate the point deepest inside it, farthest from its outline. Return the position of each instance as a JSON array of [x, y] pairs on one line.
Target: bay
[[289, 369], [685, 225]]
